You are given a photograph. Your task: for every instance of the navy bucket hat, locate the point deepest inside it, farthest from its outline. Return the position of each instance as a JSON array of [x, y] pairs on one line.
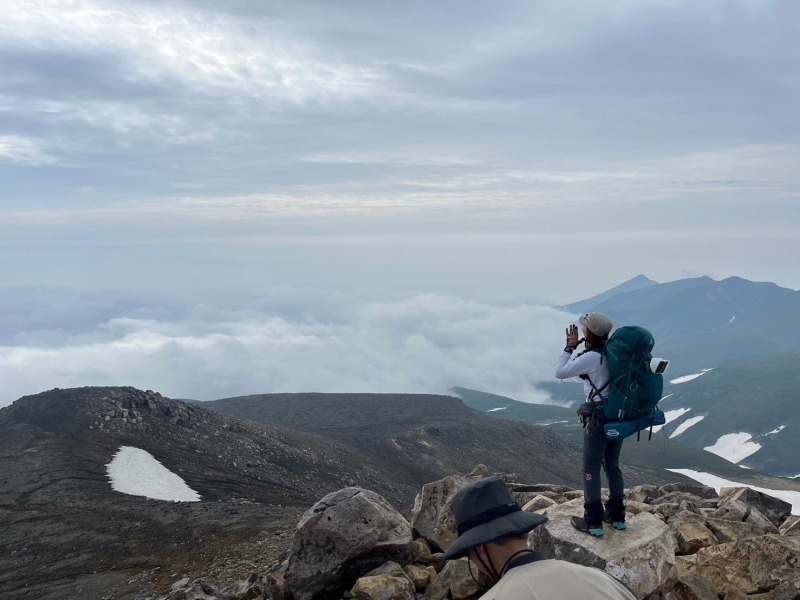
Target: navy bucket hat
[[485, 512]]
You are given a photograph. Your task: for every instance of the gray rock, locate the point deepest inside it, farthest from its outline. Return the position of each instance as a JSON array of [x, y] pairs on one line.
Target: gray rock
[[643, 556], [538, 503], [431, 517], [775, 509], [727, 531], [750, 566], [457, 579], [791, 526], [342, 536], [383, 587], [691, 532], [693, 586], [762, 523]]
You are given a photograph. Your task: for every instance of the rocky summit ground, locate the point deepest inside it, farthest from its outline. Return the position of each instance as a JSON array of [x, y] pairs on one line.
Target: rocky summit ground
[[65, 533]]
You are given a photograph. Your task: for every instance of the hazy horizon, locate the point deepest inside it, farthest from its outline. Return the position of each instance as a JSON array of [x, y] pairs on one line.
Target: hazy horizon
[[172, 170]]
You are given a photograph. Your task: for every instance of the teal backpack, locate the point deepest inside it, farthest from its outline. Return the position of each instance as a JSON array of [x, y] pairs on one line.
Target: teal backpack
[[634, 390]]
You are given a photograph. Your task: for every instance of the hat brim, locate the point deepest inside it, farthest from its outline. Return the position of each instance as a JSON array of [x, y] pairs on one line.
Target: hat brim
[[515, 523]]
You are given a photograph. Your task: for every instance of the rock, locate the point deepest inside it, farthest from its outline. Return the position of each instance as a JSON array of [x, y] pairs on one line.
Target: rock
[[538, 503], [632, 507], [431, 518], [419, 576], [692, 586], [383, 587], [731, 509], [643, 493], [480, 471], [181, 583], [749, 566], [457, 579], [342, 536], [667, 509], [388, 568], [761, 522], [276, 585], [701, 491], [250, 589], [691, 532], [541, 488], [642, 556], [726, 530], [421, 552], [791, 526], [436, 589], [775, 509]]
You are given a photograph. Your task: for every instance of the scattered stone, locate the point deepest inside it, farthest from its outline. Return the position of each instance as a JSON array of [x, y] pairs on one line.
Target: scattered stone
[[383, 587]]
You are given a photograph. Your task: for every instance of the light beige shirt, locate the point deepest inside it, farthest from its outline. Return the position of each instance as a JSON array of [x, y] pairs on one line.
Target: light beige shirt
[[557, 580]]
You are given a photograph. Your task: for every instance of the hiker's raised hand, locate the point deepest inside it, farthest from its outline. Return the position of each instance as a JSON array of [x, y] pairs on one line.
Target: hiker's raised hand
[[572, 336]]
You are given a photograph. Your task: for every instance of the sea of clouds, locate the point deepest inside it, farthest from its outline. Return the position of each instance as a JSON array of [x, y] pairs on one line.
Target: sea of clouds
[[286, 341]]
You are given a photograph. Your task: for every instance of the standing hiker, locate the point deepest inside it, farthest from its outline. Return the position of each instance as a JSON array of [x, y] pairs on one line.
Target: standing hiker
[[590, 366], [493, 534]]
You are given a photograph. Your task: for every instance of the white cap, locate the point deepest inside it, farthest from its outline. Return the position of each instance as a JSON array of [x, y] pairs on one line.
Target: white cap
[[597, 323]]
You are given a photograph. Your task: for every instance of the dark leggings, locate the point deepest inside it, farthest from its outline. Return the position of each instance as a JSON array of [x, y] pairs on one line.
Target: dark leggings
[[599, 451]]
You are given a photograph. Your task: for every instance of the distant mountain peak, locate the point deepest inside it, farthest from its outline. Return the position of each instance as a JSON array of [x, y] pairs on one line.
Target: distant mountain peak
[[636, 283]]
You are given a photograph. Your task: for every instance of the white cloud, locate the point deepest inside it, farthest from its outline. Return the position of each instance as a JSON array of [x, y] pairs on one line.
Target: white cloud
[[209, 52], [23, 150], [425, 344]]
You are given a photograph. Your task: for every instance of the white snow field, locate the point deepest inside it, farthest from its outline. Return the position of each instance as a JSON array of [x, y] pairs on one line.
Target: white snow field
[[718, 482], [137, 473], [734, 446], [686, 378], [496, 409], [685, 425], [671, 415]]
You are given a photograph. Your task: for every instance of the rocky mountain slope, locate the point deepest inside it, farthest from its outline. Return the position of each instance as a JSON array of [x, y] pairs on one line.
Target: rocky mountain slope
[[66, 533]]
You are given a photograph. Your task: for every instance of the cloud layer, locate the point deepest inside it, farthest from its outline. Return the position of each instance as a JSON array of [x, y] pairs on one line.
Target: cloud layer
[[423, 344]]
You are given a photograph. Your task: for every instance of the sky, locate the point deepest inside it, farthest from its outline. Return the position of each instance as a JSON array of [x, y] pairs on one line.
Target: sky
[[175, 171]]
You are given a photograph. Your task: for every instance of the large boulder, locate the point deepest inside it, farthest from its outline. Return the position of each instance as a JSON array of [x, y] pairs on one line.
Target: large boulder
[[691, 532], [432, 518], [775, 509], [750, 566], [340, 538], [642, 556]]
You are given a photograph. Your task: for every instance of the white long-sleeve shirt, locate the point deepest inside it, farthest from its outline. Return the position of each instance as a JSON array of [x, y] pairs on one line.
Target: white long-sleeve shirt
[[588, 363]]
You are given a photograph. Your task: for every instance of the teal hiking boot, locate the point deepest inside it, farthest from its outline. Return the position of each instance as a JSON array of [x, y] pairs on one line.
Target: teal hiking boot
[[618, 525], [581, 525]]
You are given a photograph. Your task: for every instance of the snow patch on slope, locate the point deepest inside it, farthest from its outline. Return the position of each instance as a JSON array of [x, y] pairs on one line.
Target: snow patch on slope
[[734, 447], [496, 409], [671, 415], [686, 378], [685, 425], [137, 473], [718, 482], [778, 430]]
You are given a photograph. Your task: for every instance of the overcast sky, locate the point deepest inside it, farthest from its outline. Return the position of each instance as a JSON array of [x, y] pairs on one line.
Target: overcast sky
[[489, 152]]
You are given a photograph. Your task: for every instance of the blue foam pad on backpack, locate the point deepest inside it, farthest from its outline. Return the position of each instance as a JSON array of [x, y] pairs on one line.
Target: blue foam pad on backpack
[[619, 430]]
